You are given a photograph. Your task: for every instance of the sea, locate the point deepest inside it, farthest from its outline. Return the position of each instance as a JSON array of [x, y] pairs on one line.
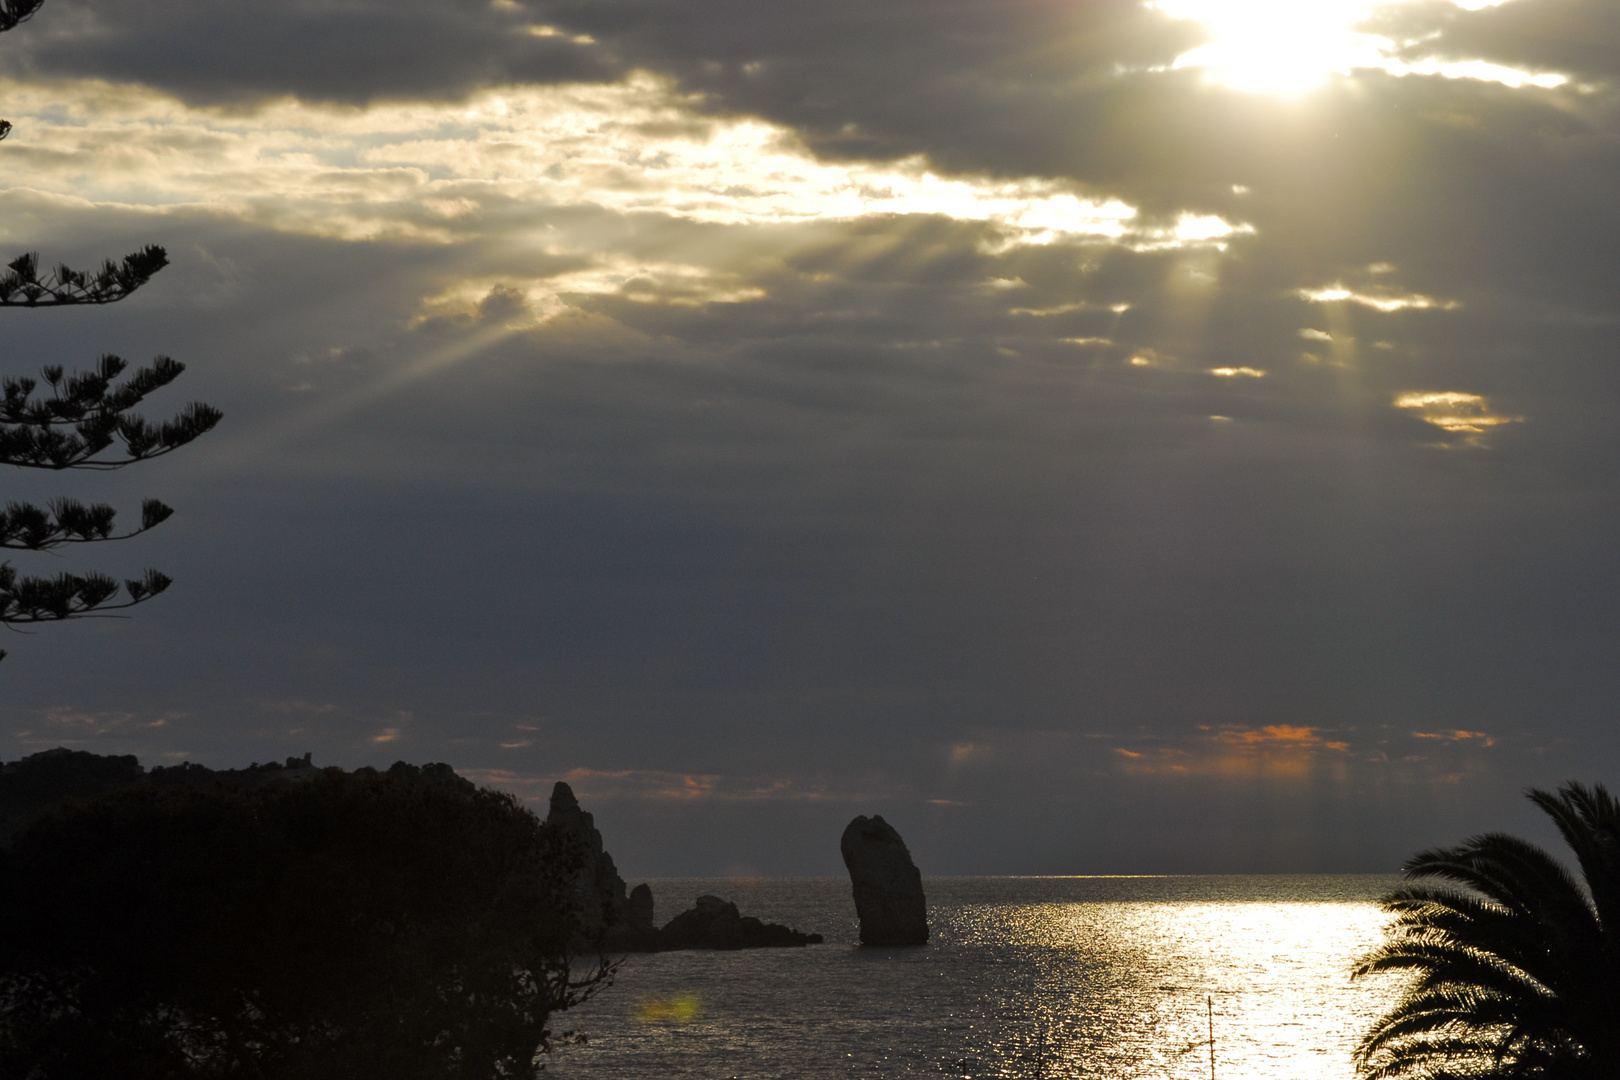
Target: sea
[[1171, 978]]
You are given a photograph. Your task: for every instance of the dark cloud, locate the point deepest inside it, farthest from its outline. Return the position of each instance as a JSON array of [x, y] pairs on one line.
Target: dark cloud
[[818, 60], [1574, 37], [240, 54], [887, 80]]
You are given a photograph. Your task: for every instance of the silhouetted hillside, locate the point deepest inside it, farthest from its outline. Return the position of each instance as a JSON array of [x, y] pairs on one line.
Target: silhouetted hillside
[[40, 782]]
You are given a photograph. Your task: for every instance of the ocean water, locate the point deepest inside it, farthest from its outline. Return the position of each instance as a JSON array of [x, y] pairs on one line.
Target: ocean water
[[1032, 977]]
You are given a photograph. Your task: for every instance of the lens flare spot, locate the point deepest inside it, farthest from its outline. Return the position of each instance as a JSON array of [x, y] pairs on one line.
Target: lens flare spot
[[680, 1009]]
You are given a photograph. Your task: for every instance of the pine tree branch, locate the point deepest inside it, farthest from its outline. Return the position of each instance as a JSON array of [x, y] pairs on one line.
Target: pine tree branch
[[13, 12], [23, 286], [24, 527], [86, 413], [25, 600]]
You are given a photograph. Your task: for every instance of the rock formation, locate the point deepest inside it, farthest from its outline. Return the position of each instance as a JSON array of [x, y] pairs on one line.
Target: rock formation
[[600, 888], [621, 923], [712, 923], [888, 887], [638, 912]]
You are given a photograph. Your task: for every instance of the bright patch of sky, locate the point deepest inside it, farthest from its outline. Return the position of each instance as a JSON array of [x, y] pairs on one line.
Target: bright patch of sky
[[1381, 300], [428, 172], [1455, 412], [1288, 47]]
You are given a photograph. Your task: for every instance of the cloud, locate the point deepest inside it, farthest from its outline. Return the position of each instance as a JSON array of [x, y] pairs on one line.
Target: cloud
[[300, 708], [526, 158], [1455, 412], [1287, 734], [1376, 756], [1386, 302], [962, 753], [1277, 751], [1456, 735], [1550, 36], [1296, 48], [597, 786], [259, 51]]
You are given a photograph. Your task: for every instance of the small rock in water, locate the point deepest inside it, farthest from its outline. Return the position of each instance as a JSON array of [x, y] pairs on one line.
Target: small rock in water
[[888, 886], [712, 923], [638, 910]]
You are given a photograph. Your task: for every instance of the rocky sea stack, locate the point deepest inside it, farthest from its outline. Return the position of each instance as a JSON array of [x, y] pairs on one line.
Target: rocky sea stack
[[598, 885], [888, 886]]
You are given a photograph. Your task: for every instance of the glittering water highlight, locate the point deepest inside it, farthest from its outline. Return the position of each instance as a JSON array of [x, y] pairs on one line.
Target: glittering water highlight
[[1024, 978]]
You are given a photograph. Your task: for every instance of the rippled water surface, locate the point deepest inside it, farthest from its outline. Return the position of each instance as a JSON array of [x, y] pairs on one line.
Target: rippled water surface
[[1024, 977]]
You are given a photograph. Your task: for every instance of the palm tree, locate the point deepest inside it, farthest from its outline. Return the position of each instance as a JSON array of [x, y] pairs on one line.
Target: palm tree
[[1516, 973]]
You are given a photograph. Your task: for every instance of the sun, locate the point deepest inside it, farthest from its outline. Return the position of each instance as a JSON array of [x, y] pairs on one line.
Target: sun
[[1282, 47]]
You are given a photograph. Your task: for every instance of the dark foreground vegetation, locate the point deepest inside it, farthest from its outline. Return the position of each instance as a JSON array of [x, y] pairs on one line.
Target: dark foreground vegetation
[[1516, 963], [333, 925]]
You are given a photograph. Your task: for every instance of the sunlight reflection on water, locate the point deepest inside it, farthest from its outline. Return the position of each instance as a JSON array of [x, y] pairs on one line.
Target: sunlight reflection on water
[[1024, 977]]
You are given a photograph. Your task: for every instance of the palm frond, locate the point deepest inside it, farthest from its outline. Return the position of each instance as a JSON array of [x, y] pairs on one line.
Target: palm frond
[[1513, 962]]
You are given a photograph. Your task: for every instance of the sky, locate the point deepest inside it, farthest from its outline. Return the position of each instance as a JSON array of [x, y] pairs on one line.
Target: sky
[[1101, 437]]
